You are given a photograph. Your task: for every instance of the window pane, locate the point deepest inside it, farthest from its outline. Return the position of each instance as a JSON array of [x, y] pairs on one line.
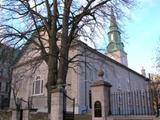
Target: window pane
[[7, 87], [33, 89], [1, 72], [37, 87], [0, 86], [41, 86]]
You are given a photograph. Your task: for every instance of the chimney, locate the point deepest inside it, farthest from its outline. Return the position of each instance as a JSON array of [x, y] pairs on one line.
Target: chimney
[[143, 72]]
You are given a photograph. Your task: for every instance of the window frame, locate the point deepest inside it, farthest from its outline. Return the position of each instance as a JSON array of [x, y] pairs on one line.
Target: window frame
[[0, 86], [35, 86], [1, 72], [7, 87]]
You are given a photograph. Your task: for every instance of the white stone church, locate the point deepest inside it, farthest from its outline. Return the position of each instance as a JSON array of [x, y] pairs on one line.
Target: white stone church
[[30, 82]]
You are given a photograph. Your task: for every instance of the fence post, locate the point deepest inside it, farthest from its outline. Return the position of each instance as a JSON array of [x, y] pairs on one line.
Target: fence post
[[57, 104], [25, 114], [100, 100]]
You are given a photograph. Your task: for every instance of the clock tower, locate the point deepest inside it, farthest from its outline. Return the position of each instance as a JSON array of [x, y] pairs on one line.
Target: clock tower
[[115, 48]]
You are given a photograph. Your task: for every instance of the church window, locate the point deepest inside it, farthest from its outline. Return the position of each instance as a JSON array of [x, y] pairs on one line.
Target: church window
[[112, 37], [37, 88], [7, 87], [1, 72], [0, 86]]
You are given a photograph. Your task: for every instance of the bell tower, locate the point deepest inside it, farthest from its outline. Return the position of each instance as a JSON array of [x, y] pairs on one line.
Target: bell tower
[[115, 48]]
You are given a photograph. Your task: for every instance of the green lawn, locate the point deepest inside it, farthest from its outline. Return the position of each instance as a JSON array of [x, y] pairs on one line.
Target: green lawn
[[83, 117]]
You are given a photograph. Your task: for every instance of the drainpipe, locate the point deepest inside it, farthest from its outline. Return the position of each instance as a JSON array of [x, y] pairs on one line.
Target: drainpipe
[[85, 82]]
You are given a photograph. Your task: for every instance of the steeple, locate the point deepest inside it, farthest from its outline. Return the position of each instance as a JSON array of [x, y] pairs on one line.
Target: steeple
[[114, 35], [113, 22], [115, 48]]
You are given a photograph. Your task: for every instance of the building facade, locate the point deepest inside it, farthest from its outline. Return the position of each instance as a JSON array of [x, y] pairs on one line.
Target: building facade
[[7, 57], [30, 73]]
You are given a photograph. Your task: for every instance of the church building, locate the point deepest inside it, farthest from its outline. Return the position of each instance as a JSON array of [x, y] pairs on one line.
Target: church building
[[31, 82]]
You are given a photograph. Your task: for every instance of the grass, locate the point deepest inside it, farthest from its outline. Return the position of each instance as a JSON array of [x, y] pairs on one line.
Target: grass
[[83, 117]]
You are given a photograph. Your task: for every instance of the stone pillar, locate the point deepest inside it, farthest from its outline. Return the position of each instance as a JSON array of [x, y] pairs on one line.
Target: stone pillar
[[14, 115], [100, 100], [26, 114], [57, 104]]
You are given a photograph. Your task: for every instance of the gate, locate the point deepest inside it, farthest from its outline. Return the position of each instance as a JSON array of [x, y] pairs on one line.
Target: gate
[[140, 102], [68, 111]]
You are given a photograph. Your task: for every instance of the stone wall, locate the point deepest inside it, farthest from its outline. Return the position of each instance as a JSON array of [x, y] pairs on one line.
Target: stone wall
[[5, 115], [38, 116]]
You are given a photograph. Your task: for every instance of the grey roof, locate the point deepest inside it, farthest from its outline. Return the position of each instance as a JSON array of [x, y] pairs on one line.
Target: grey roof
[[111, 60]]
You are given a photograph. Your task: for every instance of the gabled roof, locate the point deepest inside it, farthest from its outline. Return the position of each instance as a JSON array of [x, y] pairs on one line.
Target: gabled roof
[[24, 48], [109, 59], [82, 44]]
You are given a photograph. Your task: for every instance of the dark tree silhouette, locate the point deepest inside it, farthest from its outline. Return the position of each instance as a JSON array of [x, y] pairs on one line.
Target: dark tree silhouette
[[25, 21]]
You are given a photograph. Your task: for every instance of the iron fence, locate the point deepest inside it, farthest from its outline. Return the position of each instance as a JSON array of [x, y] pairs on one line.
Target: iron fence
[[69, 105], [4, 103], [140, 102]]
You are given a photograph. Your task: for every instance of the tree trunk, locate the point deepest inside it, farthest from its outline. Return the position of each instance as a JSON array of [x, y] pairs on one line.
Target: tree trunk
[[53, 53]]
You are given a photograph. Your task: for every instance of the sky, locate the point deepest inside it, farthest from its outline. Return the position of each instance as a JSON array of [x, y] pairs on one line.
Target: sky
[[143, 34]]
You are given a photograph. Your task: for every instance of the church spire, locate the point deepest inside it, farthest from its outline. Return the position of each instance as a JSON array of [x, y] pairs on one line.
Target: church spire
[[114, 35], [115, 44], [113, 22]]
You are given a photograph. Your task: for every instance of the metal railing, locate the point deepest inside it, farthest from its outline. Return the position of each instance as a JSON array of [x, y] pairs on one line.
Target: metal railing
[[139, 102]]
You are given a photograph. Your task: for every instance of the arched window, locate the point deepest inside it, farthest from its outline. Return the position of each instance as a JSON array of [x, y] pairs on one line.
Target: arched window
[[97, 109], [37, 88]]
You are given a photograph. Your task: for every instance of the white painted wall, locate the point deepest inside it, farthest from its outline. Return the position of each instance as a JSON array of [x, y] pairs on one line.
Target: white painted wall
[[79, 79]]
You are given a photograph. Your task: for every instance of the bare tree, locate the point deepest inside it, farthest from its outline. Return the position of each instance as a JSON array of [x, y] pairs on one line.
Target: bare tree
[[157, 58], [155, 87], [25, 20], [7, 59], [17, 102]]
